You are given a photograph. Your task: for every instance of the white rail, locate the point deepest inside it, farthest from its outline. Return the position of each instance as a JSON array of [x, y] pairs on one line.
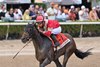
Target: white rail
[[62, 23], [19, 22]]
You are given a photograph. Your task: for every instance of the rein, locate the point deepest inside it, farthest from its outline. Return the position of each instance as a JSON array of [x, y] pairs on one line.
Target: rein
[[22, 48]]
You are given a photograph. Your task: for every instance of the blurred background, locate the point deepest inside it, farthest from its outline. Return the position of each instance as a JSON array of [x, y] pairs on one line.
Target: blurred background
[[64, 11]]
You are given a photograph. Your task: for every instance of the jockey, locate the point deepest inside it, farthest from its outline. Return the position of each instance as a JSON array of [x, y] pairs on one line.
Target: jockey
[[49, 28]]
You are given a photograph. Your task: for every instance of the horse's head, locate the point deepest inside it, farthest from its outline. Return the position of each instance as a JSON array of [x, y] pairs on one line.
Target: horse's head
[[28, 32]]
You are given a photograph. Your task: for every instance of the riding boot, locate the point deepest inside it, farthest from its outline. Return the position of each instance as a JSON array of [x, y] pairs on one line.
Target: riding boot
[[55, 40]]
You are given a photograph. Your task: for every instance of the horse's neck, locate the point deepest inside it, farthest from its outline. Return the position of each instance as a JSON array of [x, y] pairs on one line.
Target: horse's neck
[[38, 45], [38, 41]]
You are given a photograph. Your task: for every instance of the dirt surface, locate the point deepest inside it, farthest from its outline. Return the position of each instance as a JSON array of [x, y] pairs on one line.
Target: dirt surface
[[26, 58], [30, 61]]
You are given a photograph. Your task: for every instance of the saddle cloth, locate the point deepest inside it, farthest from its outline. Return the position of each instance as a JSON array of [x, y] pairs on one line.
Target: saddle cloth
[[62, 39]]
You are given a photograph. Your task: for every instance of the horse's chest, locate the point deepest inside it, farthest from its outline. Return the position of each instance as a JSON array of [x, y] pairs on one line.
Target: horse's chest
[[40, 57]]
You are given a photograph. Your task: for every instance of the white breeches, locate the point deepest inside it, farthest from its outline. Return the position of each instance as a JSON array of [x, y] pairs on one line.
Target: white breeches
[[56, 30]]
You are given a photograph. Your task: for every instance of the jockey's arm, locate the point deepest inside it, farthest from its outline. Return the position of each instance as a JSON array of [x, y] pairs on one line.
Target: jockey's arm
[[48, 32]]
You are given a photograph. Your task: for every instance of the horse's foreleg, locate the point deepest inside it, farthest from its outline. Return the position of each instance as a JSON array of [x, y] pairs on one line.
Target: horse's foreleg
[[58, 64], [45, 62]]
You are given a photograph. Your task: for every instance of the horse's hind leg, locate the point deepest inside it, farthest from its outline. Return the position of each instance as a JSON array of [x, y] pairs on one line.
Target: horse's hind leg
[[58, 64], [45, 62], [66, 57], [65, 60]]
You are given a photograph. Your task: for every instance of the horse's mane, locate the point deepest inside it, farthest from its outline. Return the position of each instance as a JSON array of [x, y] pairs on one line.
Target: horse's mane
[[44, 36]]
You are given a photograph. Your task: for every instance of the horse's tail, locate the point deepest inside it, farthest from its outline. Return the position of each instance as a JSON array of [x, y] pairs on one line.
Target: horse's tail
[[81, 54]]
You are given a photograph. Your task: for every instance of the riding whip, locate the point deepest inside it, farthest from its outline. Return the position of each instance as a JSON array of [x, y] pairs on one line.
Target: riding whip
[[22, 48]]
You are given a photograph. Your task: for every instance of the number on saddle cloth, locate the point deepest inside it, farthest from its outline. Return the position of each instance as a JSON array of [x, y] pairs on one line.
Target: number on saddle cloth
[[61, 38]]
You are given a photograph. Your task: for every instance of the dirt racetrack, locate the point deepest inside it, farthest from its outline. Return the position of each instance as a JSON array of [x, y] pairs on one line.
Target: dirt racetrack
[[30, 61], [27, 59]]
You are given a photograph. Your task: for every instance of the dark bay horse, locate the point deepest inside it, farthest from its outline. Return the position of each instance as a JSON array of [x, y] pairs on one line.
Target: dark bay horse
[[44, 51]]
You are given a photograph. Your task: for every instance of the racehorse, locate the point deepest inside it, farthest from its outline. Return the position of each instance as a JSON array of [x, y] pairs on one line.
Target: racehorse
[[44, 51]]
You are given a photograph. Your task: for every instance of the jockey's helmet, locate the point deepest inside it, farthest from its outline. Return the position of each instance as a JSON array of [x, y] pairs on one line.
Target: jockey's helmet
[[39, 19]]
